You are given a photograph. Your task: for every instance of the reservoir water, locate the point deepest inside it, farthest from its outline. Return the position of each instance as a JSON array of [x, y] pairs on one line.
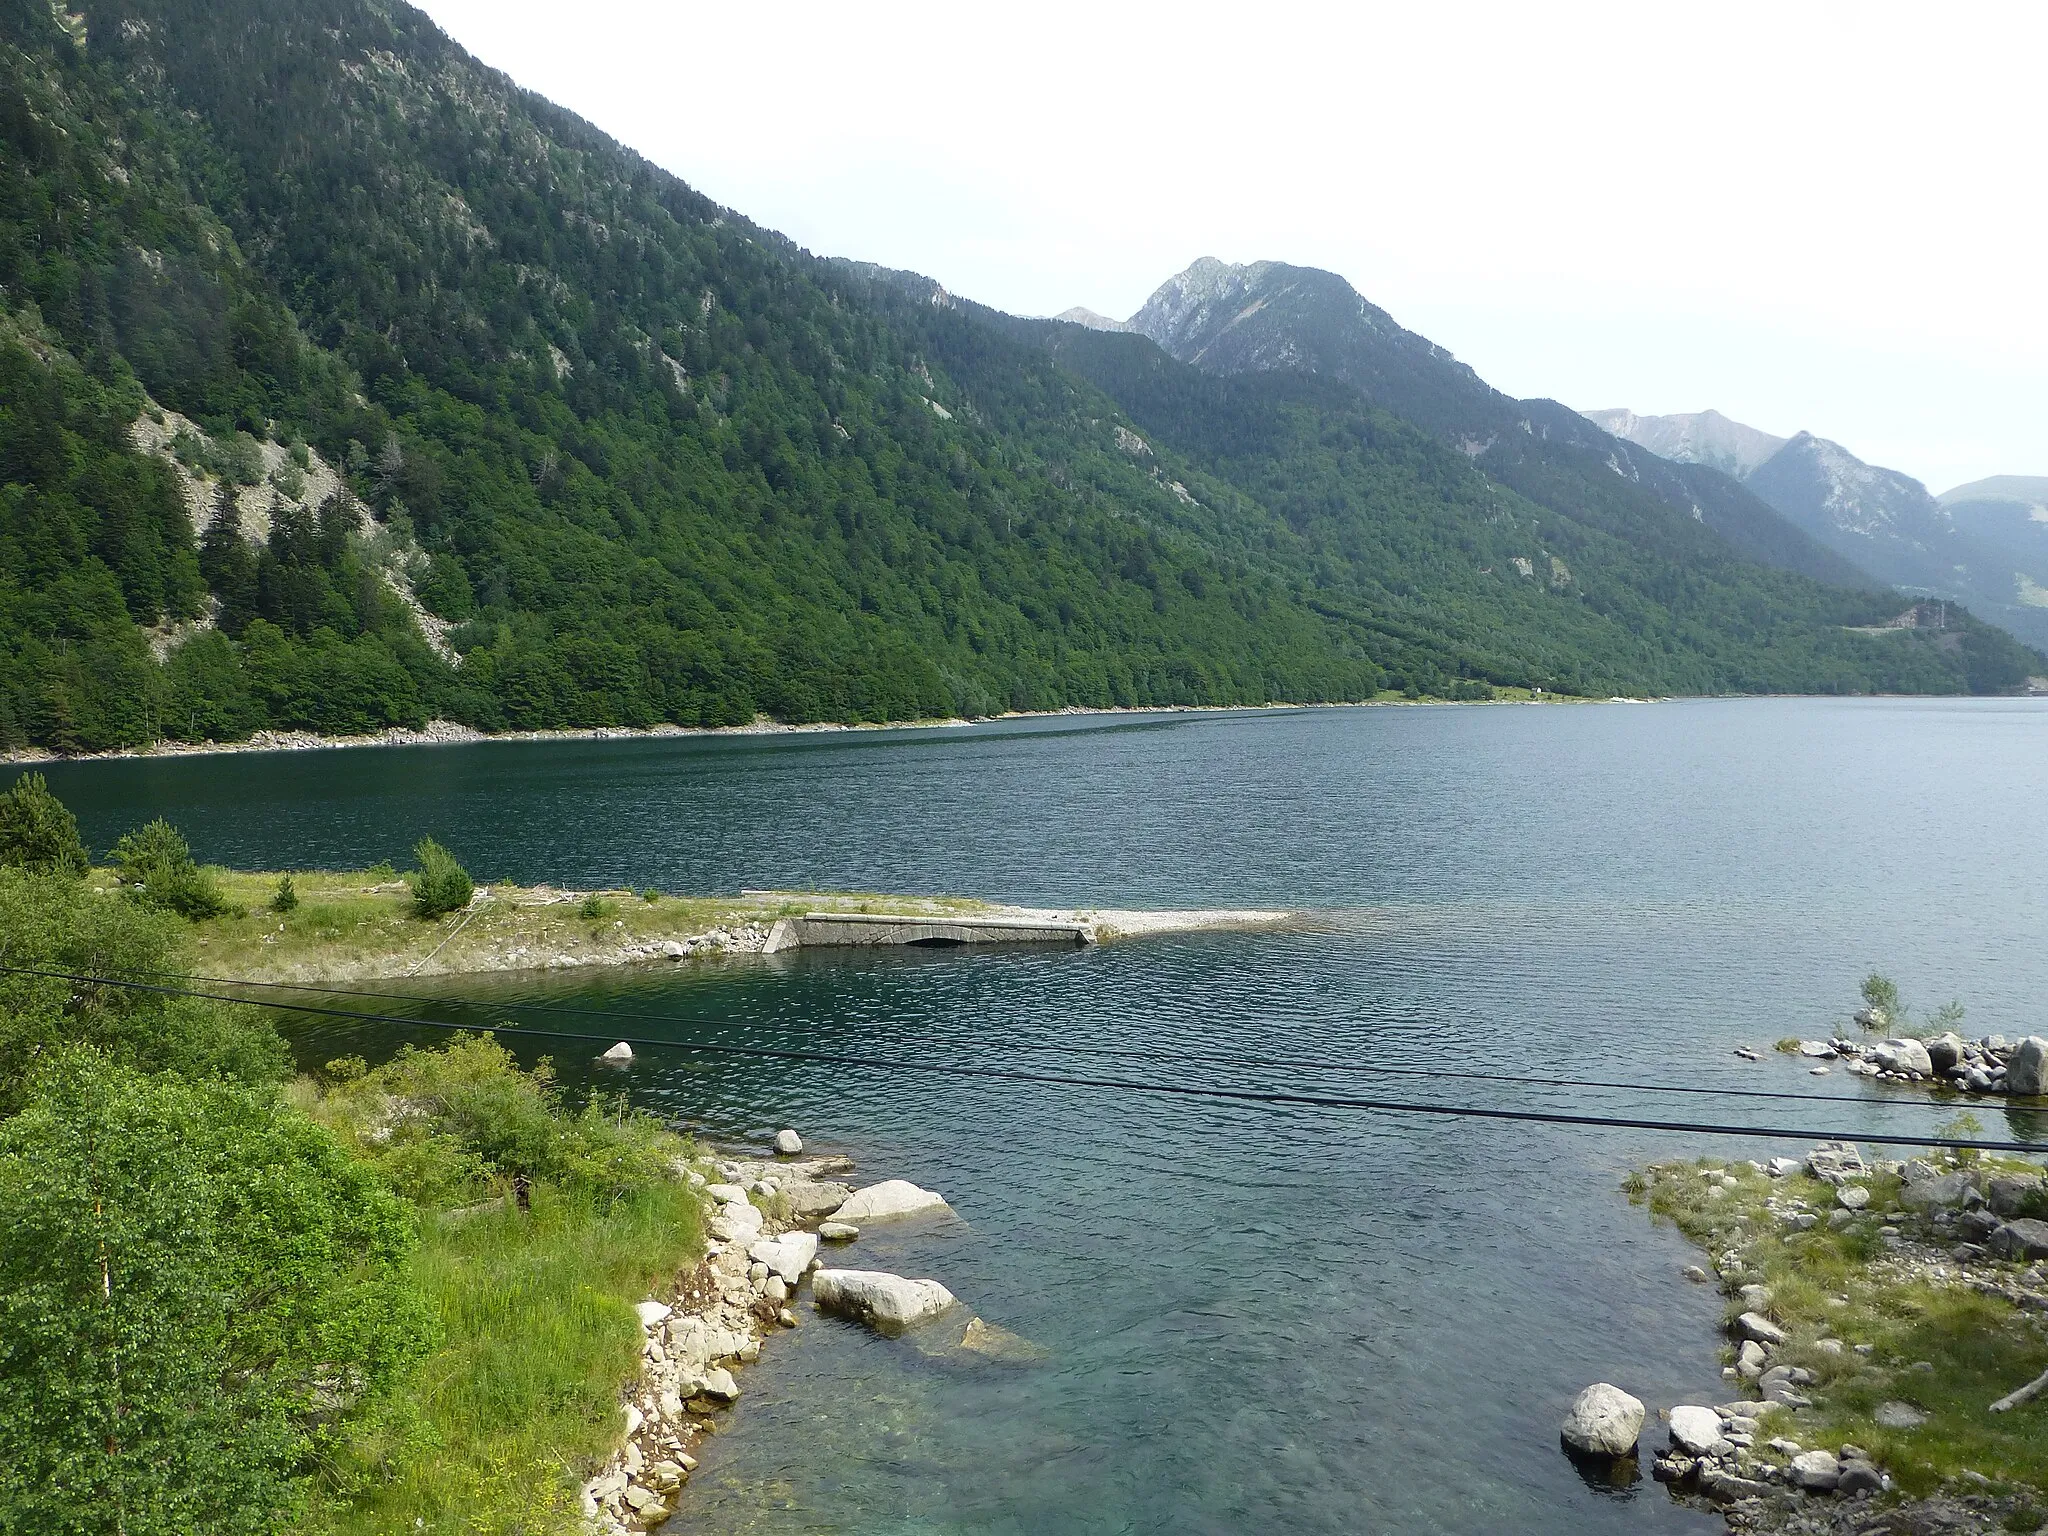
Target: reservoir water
[[1256, 1315]]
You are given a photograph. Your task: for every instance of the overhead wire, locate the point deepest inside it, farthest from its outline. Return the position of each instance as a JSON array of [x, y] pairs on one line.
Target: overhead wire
[[1124, 1085], [1110, 1053]]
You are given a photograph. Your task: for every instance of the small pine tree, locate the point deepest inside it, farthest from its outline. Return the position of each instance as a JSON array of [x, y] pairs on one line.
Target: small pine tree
[[440, 884], [38, 833], [286, 898]]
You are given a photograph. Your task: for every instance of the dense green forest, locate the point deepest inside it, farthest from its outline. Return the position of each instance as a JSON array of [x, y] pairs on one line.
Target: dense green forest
[[306, 317]]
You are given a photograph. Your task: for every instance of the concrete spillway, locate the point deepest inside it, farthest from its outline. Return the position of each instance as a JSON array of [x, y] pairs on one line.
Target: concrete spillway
[[816, 930]]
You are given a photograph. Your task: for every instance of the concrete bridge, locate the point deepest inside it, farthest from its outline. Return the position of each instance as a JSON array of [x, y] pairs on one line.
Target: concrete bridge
[[816, 930]]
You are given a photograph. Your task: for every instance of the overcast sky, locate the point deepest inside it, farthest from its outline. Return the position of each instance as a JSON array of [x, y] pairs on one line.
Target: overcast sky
[[1827, 216]]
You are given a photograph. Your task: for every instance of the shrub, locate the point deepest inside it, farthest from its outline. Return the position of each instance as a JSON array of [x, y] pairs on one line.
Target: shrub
[[595, 906], [200, 1292], [155, 864], [650, 896], [286, 897], [440, 884], [55, 923], [448, 1126], [38, 833], [1881, 997]]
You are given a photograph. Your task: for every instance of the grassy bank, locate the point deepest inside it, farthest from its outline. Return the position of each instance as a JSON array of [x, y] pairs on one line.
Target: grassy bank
[[1878, 1308], [360, 924], [521, 1397]]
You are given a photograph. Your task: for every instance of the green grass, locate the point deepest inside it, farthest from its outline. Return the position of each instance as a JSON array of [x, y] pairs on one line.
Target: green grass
[[521, 1399], [1838, 1283]]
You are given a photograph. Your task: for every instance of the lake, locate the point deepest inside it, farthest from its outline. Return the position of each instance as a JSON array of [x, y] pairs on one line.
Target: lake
[[1336, 1319]]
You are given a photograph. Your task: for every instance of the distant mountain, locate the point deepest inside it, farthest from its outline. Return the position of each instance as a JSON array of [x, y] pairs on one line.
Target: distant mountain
[[1980, 544], [1703, 437], [1268, 316], [1080, 315], [2009, 514]]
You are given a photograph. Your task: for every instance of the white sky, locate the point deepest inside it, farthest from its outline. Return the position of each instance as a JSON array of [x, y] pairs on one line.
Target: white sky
[[1819, 214]]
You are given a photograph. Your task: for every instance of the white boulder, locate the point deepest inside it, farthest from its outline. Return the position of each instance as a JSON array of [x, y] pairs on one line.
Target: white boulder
[[1697, 1432], [788, 1143], [892, 1197], [2026, 1070], [652, 1313], [619, 1052], [887, 1303], [788, 1255], [1604, 1421]]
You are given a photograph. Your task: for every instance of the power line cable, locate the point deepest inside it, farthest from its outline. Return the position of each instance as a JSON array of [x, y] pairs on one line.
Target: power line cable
[[1124, 1085], [1206, 1058]]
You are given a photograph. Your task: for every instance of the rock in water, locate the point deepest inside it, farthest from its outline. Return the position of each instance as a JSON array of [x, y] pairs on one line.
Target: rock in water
[[1946, 1052], [619, 1052], [1905, 1056], [994, 1343], [1697, 1431], [2026, 1070], [788, 1143], [893, 1197], [838, 1231], [886, 1303], [1604, 1421]]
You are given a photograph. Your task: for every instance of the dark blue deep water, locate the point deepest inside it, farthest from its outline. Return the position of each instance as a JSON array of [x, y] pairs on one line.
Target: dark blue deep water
[[1258, 1316]]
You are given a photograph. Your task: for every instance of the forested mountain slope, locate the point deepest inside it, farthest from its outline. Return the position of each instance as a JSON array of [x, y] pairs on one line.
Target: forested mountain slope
[[1268, 315], [342, 383]]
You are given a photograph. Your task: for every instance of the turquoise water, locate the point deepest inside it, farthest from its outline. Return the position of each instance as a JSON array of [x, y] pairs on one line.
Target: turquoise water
[[1336, 1320]]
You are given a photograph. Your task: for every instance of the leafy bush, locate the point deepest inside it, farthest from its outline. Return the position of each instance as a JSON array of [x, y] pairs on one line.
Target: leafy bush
[[38, 833], [448, 1127], [199, 1290], [155, 864], [55, 923], [286, 897], [595, 906], [440, 884], [1881, 997], [650, 896]]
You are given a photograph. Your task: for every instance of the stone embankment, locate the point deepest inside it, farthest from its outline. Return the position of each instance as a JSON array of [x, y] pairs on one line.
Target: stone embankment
[[766, 1218], [1939, 1224], [1993, 1064]]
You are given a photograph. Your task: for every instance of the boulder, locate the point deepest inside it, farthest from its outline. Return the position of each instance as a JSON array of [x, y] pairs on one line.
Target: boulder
[[652, 1313], [1754, 1325], [1946, 1051], [2008, 1195], [2026, 1238], [719, 1386], [994, 1343], [889, 1303], [787, 1256], [1697, 1432], [1896, 1415], [1815, 1471], [1818, 1050], [618, 1053], [1859, 1477], [1943, 1192], [1603, 1421], [1852, 1197], [1749, 1360], [2026, 1069], [808, 1199], [788, 1143], [838, 1231], [738, 1220], [1727, 1488], [1904, 1056], [891, 1198], [724, 1194]]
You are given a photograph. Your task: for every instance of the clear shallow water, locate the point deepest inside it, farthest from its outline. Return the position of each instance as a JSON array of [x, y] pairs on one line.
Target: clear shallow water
[[1337, 1319]]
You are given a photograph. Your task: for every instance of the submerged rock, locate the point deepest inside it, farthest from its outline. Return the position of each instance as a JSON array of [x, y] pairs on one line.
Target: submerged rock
[[892, 1197], [996, 1343], [618, 1053], [1603, 1421], [887, 1303]]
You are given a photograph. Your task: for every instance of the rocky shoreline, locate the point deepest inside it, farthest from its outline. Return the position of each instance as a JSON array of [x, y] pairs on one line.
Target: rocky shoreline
[[1944, 1224], [769, 1218], [1992, 1065]]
